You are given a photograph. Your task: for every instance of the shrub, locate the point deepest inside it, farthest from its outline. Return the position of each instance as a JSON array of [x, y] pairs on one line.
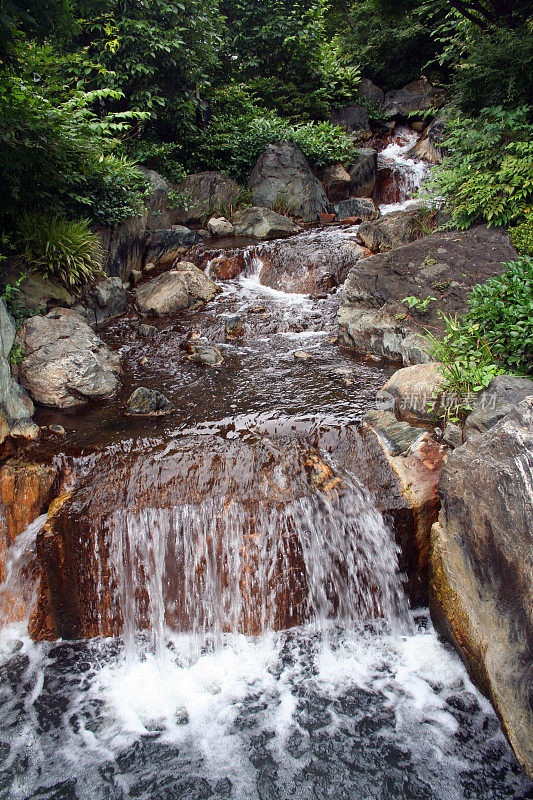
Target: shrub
[[522, 236], [235, 145], [60, 249], [488, 170], [493, 337]]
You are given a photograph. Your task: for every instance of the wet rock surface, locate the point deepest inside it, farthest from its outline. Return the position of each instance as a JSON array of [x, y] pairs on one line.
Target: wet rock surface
[[206, 193], [14, 402], [148, 401], [415, 394], [104, 300], [363, 173], [66, 363], [396, 229], [481, 568], [500, 397], [183, 287], [442, 265]]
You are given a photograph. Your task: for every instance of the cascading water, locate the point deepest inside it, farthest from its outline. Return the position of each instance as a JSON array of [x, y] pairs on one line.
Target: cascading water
[[245, 511], [405, 175]]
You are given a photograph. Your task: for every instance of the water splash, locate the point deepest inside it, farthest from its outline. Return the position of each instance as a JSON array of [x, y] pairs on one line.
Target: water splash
[[18, 589]]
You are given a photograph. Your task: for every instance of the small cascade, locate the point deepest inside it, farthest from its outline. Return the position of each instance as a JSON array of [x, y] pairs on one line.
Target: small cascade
[[400, 176], [18, 589], [220, 566]]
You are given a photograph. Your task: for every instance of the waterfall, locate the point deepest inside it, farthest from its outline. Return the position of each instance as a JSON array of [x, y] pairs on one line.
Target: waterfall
[[220, 565]]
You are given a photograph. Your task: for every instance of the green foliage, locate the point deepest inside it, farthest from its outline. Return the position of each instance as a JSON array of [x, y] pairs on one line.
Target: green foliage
[[495, 335], [391, 42], [235, 145], [57, 248], [488, 170], [422, 306], [522, 236]]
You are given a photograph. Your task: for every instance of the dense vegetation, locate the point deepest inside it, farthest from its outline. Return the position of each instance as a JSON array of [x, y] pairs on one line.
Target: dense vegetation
[[91, 89]]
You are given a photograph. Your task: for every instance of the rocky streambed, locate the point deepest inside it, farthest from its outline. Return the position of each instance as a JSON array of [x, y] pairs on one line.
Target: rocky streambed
[[217, 552]]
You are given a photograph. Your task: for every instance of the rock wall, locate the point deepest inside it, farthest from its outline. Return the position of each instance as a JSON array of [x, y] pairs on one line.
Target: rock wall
[[481, 584]]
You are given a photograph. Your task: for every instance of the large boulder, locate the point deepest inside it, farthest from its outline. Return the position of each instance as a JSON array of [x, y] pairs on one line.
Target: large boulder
[[282, 174], [165, 246], [415, 393], [220, 227], [262, 223], [418, 96], [353, 119], [496, 401], [370, 94], [205, 194], [481, 585], [65, 362], [361, 208], [14, 402], [445, 265], [184, 287], [104, 300], [363, 173], [400, 227]]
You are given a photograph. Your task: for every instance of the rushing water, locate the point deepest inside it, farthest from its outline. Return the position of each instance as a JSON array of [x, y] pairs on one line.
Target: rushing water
[[247, 509]]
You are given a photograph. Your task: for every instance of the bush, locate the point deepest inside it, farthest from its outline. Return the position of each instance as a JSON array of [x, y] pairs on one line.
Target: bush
[[60, 249], [487, 173], [522, 236], [495, 335], [235, 145]]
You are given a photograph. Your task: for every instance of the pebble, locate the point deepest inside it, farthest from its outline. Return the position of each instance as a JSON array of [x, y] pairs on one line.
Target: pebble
[[59, 429], [302, 354]]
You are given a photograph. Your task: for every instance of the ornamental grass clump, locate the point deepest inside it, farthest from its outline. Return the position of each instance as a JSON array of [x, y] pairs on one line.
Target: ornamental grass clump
[[60, 249]]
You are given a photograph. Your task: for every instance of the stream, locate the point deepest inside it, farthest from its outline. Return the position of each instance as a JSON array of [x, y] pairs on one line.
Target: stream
[[251, 633]]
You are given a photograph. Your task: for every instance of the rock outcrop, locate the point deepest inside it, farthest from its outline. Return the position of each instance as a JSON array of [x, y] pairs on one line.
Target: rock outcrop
[[14, 402], [205, 194], [481, 586], [163, 247], [262, 223], [361, 208], [65, 362], [363, 173], [417, 97], [502, 394], [404, 467], [400, 227], [353, 119], [446, 266], [104, 300], [282, 174], [184, 287], [337, 182]]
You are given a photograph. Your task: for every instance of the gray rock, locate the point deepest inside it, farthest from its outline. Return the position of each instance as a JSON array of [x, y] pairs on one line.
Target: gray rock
[[135, 277], [220, 226], [14, 402], [381, 332], [7, 330], [234, 327], [37, 294], [362, 208], [105, 300], [445, 265], [337, 182], [25, 429], [416, 393], [163, 247], [353, 119], [184, 287], [370, 93], [206, 194], [429, 147], [496, 401], [205, 354], [453, 435], [481, 580], [417, 96], [66, 363], [148, 401], [282, 173], [147, 331], [400, 227], [363, 173], [262, 223]]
